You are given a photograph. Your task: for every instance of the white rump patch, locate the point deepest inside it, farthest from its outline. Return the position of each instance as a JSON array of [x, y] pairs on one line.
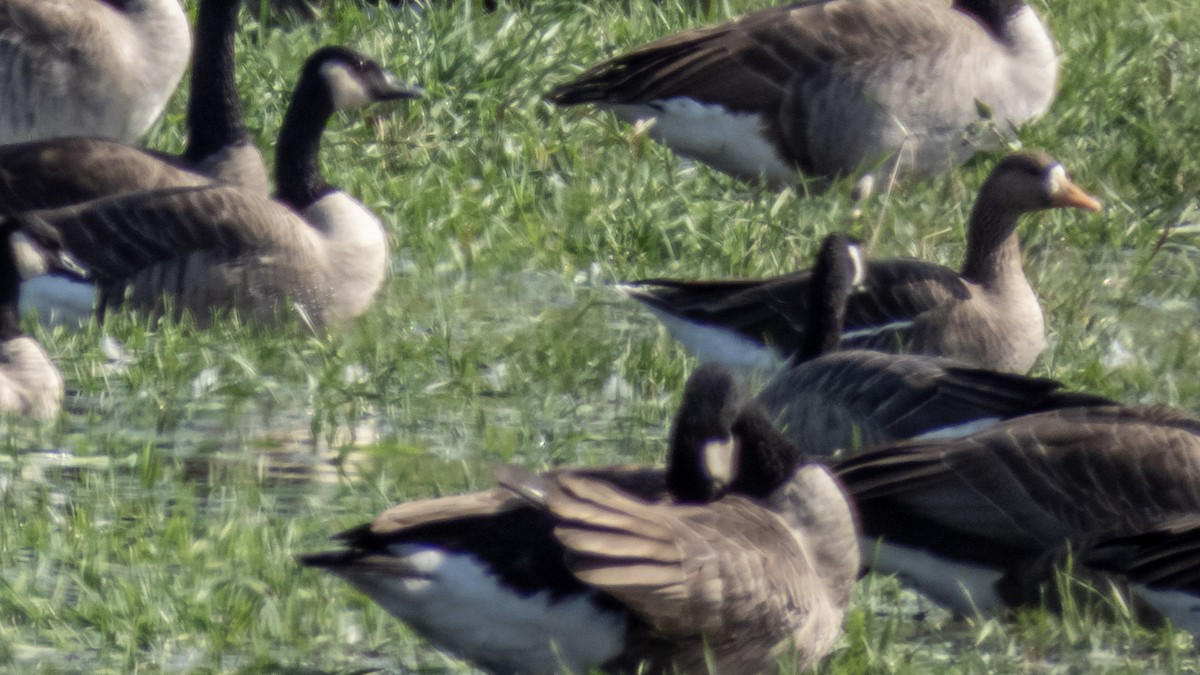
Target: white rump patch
[[735, 143], [1181, 607], [58, 300], [965, 588], [457, 602], [714, 344]]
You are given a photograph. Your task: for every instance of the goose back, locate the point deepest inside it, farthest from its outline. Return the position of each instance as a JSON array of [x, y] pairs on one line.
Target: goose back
[[88, 67], [832, 87], [1024, 488]]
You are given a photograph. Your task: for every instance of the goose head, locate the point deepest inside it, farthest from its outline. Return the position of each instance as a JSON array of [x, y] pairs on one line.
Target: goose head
[[702, 455], [353, 80], [722, 442], [1033, 181]]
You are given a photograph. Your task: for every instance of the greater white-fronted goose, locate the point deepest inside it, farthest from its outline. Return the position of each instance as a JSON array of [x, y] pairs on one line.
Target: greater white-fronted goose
[[601, 568], [218, 249], [30, 383], [968, 520], [829, 401], [58, 172], [833, 87], [88, 67], [985, 315]]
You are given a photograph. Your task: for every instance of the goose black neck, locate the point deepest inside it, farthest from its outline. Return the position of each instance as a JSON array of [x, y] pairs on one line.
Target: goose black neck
[[298, 179], [993, 14], [993, 249], [214, 113], [766, 459], [829, 288], [10, 289]]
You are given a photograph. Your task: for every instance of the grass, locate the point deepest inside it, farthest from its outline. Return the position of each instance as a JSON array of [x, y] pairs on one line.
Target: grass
[[153, 528]]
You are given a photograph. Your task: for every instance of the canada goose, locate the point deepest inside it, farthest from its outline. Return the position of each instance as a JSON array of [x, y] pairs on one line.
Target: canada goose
[[30, 383], [831, 87], [596, 568], [58, 172], [986, 315], [90, 67], [61, 171], [829, 400], [1162, 567], [967, 520], [218, 248]]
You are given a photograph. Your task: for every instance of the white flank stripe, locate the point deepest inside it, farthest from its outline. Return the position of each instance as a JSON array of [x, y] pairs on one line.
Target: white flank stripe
[[870, 331]]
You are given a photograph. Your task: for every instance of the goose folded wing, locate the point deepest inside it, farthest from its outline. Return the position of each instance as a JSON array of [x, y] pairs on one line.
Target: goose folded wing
[[117, 236], [684, 570], [1029, 484], [1167, 556], [749, 63], [59, 172]]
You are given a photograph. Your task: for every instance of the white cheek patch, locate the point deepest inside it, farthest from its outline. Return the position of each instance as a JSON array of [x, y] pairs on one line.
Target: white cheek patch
[[718, 460], [860, 267], [345, 88], [1056, 179]]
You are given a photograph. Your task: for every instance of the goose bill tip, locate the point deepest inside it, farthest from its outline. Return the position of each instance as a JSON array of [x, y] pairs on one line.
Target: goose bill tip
[[1071, 196]]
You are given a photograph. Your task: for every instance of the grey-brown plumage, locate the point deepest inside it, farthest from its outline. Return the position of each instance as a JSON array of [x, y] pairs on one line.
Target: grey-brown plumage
[[763, 562], [88, 67], [61, 171], [218, 249], [973, 517], [831, 87], [984, 315]]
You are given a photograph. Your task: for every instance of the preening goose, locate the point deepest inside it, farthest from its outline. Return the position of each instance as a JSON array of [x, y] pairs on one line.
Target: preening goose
[[847, 400], [985, 315], [212, 249], [832, 87], [968, 520], [30, 383], [88, 67], [599, 568], [58, 172]]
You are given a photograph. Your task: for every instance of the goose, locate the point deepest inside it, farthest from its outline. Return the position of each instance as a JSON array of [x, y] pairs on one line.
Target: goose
[[1161, 566], [204, 250], [831, 87], [829, 400], [598, 568], [972, 522], [58, 172], [985, 315], [30, 383], [92, 67]]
